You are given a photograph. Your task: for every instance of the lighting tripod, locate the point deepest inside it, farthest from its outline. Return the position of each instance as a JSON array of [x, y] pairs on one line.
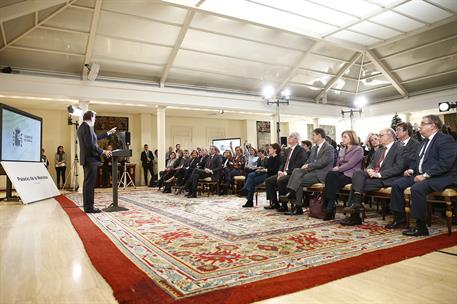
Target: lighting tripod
[[74, 169], [126, 180]]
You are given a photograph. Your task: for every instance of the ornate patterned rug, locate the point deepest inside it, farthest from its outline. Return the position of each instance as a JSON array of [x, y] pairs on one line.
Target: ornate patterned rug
[[192, 247]]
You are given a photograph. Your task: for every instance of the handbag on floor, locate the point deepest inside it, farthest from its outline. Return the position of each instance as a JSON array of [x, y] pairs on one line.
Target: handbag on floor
[[316, 206]]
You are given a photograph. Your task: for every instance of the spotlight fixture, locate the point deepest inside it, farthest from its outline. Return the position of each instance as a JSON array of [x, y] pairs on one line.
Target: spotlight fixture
[[74, 110], [446, 106], [268, 94]]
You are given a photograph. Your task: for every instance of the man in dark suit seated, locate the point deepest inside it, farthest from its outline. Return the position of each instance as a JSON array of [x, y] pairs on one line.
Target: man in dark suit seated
[[294, 158], [433, 169], [404, 131], [213, 168], [90, 154], [386, 166], [147, 162], [313, 171]]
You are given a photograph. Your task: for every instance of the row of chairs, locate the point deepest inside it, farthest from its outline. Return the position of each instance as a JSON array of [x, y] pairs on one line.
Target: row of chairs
[[448, 197]]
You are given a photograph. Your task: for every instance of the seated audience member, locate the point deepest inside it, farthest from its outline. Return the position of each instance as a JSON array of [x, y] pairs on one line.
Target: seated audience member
[[294, 158], [234, 167], [313, 171], [255, 178], [201, 162], [168, 153], [372, 144], [107, 167], [147, 159], [178, 148], [178, 170], [263, 159], [386, 166], [404, 131], [44, 159], [250, 154], [306, 145], [170, 165], [433, 169], [61, 165], [213, 167], [350, 159]]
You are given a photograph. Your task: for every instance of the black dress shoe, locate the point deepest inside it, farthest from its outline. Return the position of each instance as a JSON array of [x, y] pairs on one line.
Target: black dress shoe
[[329, 215], [93, 210], [248, 204], [353, 220], [283, 208], [167, 190], [272, 206], [396, 224], [242, 193], [296, 211], [191, 195], [289, 196], [416, 232]]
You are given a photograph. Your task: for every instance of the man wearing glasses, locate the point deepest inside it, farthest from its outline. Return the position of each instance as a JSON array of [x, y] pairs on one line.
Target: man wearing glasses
[[433, 169], [386, 166]]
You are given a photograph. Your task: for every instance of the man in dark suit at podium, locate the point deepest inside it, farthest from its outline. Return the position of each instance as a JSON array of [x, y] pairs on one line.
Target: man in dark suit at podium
[[90, 154]]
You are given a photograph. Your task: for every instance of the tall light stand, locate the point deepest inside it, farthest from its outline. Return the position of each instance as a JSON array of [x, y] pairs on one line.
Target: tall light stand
[[74, 169], [351, 113], [277, 102]]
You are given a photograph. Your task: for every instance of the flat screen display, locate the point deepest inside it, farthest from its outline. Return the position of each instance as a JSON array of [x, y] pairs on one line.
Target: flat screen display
[[224, 144], [21, 135]]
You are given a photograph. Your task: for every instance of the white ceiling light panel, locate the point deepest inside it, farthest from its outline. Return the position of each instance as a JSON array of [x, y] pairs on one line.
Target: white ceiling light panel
[[358, 8], [423, 11], [395, 20], [372, 29], [355, 37]]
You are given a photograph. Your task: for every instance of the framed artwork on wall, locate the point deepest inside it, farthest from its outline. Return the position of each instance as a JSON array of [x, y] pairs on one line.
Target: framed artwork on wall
[[106, 123]]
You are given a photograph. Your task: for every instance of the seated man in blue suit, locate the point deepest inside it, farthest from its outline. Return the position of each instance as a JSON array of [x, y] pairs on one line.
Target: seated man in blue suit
[[433, 169]]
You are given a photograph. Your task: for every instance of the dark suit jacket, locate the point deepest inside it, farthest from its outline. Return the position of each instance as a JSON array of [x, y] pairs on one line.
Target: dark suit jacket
[[144, 158], [410, 150], [297, 159], [440, 161], [393, 165], [324, 161], [90, 152], [215, 164]]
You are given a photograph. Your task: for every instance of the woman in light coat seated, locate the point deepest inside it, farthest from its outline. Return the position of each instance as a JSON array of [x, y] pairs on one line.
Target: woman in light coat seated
[[349, 160]]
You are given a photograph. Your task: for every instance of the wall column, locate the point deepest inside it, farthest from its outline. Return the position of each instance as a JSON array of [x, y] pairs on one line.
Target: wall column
[[315, 123], [161, 148], [146, 130], [407, 117], [273, 129], [251, 132]]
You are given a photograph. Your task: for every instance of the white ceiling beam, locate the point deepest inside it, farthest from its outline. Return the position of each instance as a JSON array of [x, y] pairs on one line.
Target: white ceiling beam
[[293, 69], [418, 47], [24, 8], [374, 13], [415, 32], [45, 51], [2, 28], [343, 70], [177, 46], [387, 73], [36, 26], [58, 29], [427, 61], [91, 40]]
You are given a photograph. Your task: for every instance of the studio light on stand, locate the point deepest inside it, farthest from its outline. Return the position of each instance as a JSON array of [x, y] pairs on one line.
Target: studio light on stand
[[74, 112], [446, 106], [359, 101], [268, 94]]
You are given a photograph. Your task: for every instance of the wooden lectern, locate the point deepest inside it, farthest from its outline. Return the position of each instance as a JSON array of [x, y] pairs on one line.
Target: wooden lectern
[[116, 154]]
